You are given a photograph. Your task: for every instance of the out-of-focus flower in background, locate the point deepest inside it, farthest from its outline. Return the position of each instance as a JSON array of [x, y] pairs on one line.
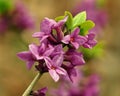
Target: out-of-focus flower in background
[[3, 25], [5, 8], [14, 16], [82, 85], [21, 18]]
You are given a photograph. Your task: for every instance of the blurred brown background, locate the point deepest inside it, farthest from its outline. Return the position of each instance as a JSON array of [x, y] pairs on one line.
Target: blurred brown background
[[14, 78]]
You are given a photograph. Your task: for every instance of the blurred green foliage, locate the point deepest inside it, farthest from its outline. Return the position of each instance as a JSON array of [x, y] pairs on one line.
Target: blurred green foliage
[[96, 51], [5, 6]]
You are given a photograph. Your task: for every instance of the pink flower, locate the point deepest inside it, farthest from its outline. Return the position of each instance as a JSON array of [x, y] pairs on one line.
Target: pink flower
[[54, 67], [74, 38]]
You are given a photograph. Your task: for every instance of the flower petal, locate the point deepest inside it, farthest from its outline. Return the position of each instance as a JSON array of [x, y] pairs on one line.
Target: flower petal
[[61, 22], [92, 42], [54, 75], [38, 34], [86, 45], [41, 35], [43, 90], [66, 39], [75, 44], [49, 51], [91, 36], [46, 25], [81, 40], [58, 60], [75, 32], [61, 71], [43, 38], [42, 48], [77, 60], [48, 62], [34, 50], [30, 64], [26, 55]]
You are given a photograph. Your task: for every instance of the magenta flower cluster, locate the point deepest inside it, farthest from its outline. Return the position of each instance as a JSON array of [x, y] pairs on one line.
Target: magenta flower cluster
[[58, 51]]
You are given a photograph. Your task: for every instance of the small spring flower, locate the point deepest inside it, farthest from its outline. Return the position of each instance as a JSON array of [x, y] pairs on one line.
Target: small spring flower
[[91, 42], [54, 67], [74, 38], [42, 51], [35, 53], [47, 26]]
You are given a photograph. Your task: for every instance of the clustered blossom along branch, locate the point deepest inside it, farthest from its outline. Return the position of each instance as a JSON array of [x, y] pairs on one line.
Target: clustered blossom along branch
[[96, 12], [60, 40]]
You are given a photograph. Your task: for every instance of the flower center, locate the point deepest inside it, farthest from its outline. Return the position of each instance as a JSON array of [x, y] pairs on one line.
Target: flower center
[[71, 39], [52, 67]]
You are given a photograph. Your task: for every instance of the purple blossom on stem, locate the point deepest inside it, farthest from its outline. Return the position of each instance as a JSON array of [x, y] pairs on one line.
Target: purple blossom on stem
[[42, 51], [57, 53], [91, 42], [50, 56], [47, 27], [74, 38], [54, 67], [35, 53]]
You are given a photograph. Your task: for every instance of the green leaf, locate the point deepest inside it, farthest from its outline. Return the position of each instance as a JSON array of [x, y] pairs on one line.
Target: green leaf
[[69, 20], [79, 19], [59, 18], [86, 26]]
